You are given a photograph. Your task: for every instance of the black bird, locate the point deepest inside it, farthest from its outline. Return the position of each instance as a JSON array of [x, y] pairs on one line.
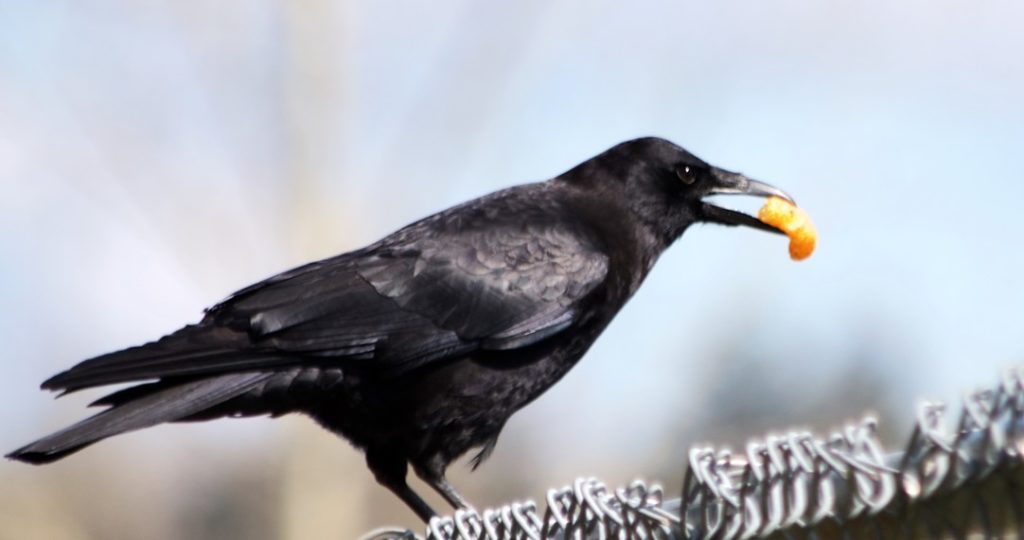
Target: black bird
[[419, 347]]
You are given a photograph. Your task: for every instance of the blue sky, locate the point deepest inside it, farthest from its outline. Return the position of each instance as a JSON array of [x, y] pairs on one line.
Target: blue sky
[[153, 159]]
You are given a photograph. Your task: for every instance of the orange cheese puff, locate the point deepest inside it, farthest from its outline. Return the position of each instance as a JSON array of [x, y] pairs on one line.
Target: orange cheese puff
[[794, 222]]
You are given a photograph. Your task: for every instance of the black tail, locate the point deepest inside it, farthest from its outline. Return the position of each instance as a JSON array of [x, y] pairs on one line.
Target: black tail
[[191, 352], [163, 404]]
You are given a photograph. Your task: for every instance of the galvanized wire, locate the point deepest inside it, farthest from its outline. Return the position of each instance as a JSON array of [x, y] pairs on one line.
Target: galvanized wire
[[967, 480], [585, 510]]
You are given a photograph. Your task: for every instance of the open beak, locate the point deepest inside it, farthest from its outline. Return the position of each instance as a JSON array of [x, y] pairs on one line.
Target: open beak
[[730, 183]]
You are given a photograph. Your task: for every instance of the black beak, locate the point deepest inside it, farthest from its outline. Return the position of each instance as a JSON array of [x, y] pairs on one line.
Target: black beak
[[730, 183]]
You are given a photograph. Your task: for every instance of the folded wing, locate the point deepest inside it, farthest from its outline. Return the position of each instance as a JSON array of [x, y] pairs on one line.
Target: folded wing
[[438, 289]]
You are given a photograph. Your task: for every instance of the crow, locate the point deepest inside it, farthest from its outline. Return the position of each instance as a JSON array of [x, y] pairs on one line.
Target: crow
[[418, 348]]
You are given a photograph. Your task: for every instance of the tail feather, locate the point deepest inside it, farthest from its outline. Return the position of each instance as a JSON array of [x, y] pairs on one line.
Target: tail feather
[[193, 352], [162, 405]]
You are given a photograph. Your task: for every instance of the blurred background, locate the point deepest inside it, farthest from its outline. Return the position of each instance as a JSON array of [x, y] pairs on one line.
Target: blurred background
[[156, 156]]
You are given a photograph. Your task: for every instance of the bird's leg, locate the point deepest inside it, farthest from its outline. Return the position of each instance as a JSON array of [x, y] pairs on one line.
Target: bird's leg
[[442, 486], [414, 501], [433, 474], [390, 472]]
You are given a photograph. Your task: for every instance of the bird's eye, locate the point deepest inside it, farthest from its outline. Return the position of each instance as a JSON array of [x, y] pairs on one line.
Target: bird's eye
[[687, 174]]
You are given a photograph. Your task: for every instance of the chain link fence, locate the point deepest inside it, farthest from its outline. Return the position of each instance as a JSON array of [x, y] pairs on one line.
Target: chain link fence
[[951, 480]]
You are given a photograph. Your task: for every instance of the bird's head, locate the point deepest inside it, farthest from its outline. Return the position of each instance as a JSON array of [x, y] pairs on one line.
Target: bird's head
[[667, 187]]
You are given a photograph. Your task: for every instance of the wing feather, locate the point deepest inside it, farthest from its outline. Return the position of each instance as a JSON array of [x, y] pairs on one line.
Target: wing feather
[[503, 272]]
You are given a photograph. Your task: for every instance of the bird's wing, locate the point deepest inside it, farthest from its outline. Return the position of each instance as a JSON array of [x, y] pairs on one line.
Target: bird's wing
[[501, 287], [496, 287], [396, 305]]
